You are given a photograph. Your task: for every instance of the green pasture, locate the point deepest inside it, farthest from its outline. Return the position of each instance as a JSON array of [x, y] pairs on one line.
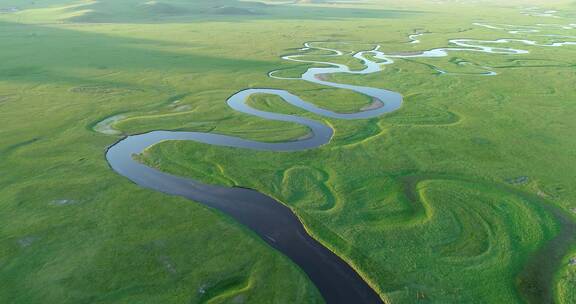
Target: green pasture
[[464, 195]]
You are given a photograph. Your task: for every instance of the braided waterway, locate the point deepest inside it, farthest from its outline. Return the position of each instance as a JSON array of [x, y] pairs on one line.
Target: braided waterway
[[274, 222]]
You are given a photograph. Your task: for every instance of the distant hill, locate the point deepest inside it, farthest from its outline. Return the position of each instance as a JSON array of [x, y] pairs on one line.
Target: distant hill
[[232, 10], [160, 8]]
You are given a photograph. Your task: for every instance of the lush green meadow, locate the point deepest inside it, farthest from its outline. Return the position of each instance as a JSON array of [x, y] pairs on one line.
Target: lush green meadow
[[464, 195]]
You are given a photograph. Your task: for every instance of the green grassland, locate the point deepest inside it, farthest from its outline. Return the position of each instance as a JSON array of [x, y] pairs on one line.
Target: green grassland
[[426, 202]]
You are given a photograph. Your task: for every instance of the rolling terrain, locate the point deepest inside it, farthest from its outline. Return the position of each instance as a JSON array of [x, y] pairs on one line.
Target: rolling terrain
[[465, 194]]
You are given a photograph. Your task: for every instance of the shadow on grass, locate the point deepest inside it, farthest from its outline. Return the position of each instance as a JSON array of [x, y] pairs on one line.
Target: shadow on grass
[[40, 54], [166, 11]]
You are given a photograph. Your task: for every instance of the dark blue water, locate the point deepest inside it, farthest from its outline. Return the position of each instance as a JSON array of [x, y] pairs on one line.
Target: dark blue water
[[275, 223]]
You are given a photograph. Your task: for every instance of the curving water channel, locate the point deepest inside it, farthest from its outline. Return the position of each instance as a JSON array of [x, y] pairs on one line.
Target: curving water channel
[[275, 223]]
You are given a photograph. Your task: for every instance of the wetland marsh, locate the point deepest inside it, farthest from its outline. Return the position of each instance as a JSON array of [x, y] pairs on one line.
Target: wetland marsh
[[385, 163]]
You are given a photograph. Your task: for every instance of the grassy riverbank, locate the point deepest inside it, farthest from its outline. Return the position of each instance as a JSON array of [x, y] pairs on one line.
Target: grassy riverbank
[[448, 200]]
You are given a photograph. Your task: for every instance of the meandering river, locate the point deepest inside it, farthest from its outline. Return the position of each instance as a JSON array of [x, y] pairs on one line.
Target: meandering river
[[275, 223]]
